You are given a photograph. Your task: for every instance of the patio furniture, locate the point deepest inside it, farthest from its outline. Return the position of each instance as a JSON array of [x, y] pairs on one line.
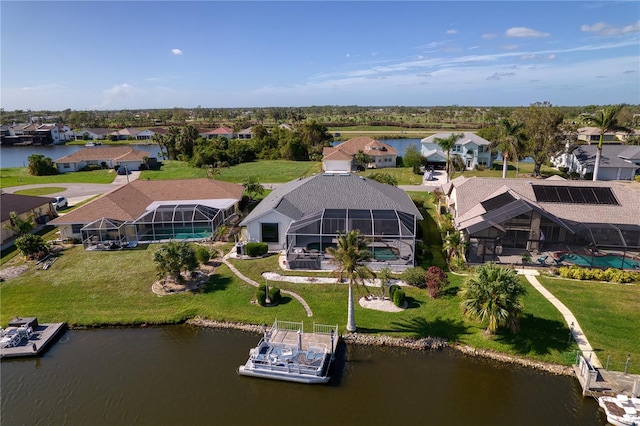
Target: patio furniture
[[542, 260]]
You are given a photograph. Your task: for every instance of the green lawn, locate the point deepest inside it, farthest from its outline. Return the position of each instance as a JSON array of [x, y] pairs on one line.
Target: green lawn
[[609, 314], [97, 288], [524, 170], [18, 176], [44, 190]]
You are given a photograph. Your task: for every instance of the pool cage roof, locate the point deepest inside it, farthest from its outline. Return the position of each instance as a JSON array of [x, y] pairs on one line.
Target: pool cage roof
[[392, 223], [607, 235], [104, 224], [178, 213]]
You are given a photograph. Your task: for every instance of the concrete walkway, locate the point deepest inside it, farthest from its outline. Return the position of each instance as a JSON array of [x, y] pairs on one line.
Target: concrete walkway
[[248, 280], [572, 322]]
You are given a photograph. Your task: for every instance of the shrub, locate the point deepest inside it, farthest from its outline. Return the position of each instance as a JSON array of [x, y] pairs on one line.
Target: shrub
[[415, 276], [398, 298], [392, 289], [436, 280], [637, 178], [256, 249], [610, 275], [91, 167], [202, 254], [32, 246], [274, 295]]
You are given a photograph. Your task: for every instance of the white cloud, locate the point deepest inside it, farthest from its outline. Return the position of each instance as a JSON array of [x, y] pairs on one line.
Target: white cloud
[[348, 55], [489, 36], [606, 30], [528, 57], [452, 31], [524, 32], [43, 87], [510, 46], [176, 51], [499, 75], [551, 57], [115, 96]]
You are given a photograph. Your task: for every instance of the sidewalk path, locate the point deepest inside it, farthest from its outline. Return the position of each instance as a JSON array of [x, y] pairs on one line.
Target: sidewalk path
[[572, 322], [246, 279]]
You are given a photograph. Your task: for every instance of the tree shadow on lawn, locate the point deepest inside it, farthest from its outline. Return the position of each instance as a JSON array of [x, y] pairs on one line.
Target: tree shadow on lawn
[[438, 327], [215, 283], [537, 336]]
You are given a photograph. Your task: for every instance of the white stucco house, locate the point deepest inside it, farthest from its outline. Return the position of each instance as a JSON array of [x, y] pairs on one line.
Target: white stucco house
[[618, 162], [341, 158], [473, 150], [107, 157]]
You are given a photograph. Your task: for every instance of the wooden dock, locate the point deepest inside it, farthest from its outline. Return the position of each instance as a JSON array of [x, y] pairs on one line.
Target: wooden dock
[[598, 382], [307, 340], [43, 335]]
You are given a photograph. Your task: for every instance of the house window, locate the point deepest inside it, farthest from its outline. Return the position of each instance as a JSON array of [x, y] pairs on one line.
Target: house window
[[76, 227], [65, 165], [270, 232]]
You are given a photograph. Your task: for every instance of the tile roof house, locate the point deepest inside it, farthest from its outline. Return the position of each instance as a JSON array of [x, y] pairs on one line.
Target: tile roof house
[[127, 133], [103, 156], [305, 216], [473, 149], [341, 158], [498, 214], [24, 206], [152, 211], [226, 132], [92, 134], [617, 162], [591, 135]]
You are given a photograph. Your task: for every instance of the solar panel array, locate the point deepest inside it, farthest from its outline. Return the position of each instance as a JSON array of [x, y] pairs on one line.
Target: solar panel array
[[497, 201], [574, 194]]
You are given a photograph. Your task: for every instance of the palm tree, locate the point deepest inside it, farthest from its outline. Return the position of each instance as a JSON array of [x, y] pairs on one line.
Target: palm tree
[[493, 294], [173, 258], [607, 121], [511, 141], [252, 187], [348, 258], [446, 144]]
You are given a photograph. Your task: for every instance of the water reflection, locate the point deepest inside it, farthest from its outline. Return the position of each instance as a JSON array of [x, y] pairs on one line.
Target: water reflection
[[187, 375]]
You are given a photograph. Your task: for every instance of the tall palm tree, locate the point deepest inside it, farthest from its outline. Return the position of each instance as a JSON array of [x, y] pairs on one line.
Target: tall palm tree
[[607, 121], [511, 141], [494, 294], [446, 144], [349, 257]]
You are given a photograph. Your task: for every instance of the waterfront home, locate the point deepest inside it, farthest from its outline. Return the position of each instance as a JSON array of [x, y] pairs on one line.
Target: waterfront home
[[25, 206], [149, 211], [105, 157], [341, 158], [518, 215], [617, 162], [305, 216], [591, 135], [226, 132], [93, 134], [474, 150], [245, 133]]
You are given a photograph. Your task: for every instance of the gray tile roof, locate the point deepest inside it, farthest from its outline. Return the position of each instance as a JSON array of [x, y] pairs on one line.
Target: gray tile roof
[[332, 191], [610, 156]]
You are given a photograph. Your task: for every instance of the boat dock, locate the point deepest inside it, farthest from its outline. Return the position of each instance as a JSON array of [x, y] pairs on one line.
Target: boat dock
[[305, 341], [597, 382], [33, 345]]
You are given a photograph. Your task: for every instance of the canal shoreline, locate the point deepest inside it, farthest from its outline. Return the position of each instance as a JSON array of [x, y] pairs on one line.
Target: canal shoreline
[[426, 343]]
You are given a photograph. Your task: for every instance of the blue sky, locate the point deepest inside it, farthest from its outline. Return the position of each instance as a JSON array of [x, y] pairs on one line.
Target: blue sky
[[161, 54]]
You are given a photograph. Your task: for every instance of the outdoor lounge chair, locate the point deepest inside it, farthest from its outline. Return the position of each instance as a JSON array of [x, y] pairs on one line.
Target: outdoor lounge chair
[[542, 259]]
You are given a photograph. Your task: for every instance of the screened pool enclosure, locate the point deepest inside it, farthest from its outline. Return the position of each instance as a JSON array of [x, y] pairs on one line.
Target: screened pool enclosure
[[390, 235], [160, 223]]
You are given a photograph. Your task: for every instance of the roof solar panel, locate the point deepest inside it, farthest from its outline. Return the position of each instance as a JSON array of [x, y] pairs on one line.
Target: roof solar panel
[[497, 201], [574, 194]]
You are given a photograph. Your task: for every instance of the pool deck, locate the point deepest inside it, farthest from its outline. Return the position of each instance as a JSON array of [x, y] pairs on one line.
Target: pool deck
[[43, 335]]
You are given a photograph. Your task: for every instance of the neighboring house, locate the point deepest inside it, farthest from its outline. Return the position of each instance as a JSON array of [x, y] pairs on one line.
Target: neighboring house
[[58, 133], [500, 215], [127, 133], [144, 135], [591, 135], [106, 157], [24, 206], [93, 134], [617, 162], [225, 132], [245, 133], [341, 158], [150, 211], [36, 134], [305, 216], [474, 150]]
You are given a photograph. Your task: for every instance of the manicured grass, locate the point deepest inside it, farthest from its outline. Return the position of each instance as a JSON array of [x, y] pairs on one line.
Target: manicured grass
[[404, 175], [524, 170], [99, 288], [609, 315], [265, 171], [17, 176], [41, 191]]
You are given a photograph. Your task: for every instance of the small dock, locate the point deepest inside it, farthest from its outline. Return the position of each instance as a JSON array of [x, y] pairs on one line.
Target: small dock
[[42, 337], [597, 382], [306, 341]]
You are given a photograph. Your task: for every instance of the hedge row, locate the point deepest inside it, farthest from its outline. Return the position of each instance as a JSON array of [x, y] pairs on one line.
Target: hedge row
[[610, 275]]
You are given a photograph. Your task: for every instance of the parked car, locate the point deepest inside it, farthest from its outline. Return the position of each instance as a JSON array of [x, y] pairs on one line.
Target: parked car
[[123, 170], [60, 203]]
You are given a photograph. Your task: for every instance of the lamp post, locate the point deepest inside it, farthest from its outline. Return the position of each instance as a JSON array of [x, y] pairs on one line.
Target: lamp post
[[267, 301]]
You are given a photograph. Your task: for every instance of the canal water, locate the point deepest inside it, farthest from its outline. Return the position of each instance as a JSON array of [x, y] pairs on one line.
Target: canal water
[[18, 156], [187, 375]]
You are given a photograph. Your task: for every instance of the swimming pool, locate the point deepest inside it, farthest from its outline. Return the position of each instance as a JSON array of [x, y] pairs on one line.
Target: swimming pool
[[177, 234], [602, 261], [384, 253]]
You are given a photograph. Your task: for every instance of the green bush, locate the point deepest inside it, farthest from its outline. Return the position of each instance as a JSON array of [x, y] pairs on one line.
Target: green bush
[[415, 276], [637, 178], [609, 275], [256, 249], [202, 254], [274, 295], [32, 246], [91, 167], [398, 298], [392, 289]]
